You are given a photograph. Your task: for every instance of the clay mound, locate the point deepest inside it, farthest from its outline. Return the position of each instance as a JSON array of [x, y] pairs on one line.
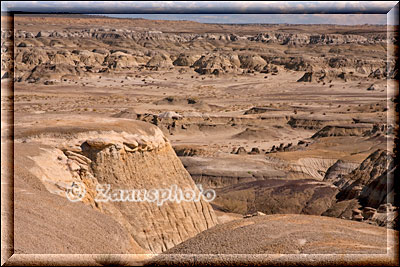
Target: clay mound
[[282, 234], [252, 62], [120, 60], [277, 196], [100, 152], [345, 130], [32, 57], [51, 72], [185, 60], [216, 64], [87, 58], [160, 61], [61, 57], [337, 62], [298, 64]]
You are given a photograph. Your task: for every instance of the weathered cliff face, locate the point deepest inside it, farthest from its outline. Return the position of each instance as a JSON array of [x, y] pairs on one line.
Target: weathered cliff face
[[312, 167], [344, 130], [338, 170], [369, 170], [366, 192], [379, 191], [154, 228], [126, 155]]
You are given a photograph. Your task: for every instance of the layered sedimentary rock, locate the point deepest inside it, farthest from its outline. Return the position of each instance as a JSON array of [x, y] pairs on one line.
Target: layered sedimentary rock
[[337, 170], [125, 155], [369, 187], [374, 166], [219, 172], [344, 130]]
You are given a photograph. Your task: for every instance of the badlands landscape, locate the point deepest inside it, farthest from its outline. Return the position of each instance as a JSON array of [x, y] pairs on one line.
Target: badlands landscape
[[293, 126]]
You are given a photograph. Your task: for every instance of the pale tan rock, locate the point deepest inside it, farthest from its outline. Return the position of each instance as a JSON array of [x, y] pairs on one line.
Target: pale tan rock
[[78, 157], [104, 161], [358, 217], [98, 143]]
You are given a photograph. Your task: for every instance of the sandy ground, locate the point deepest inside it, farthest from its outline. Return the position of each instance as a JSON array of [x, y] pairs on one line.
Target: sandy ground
[[214, 117]]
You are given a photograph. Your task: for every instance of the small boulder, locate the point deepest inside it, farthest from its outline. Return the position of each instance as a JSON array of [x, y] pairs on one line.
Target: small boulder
[[356, 211], [259, 213], [241, 151], [98, 143], [254, 151], [307, 77], [371, 88], [369, 213]]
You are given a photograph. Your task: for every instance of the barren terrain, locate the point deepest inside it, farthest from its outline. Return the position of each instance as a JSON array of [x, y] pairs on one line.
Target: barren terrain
[[277, 119]]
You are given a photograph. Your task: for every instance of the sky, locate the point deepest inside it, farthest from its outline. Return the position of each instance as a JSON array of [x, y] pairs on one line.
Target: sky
[[300, 12], [344, 19]]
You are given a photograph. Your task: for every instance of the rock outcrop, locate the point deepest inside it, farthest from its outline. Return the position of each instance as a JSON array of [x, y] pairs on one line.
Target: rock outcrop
[[214, 172], [374, 166], [338, 170], [370, 185], [343, 130], [307, 77], [125, 155], [185, 60]]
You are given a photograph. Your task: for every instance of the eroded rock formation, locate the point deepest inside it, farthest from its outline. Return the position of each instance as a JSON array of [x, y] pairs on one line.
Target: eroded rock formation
[[126, 155]]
